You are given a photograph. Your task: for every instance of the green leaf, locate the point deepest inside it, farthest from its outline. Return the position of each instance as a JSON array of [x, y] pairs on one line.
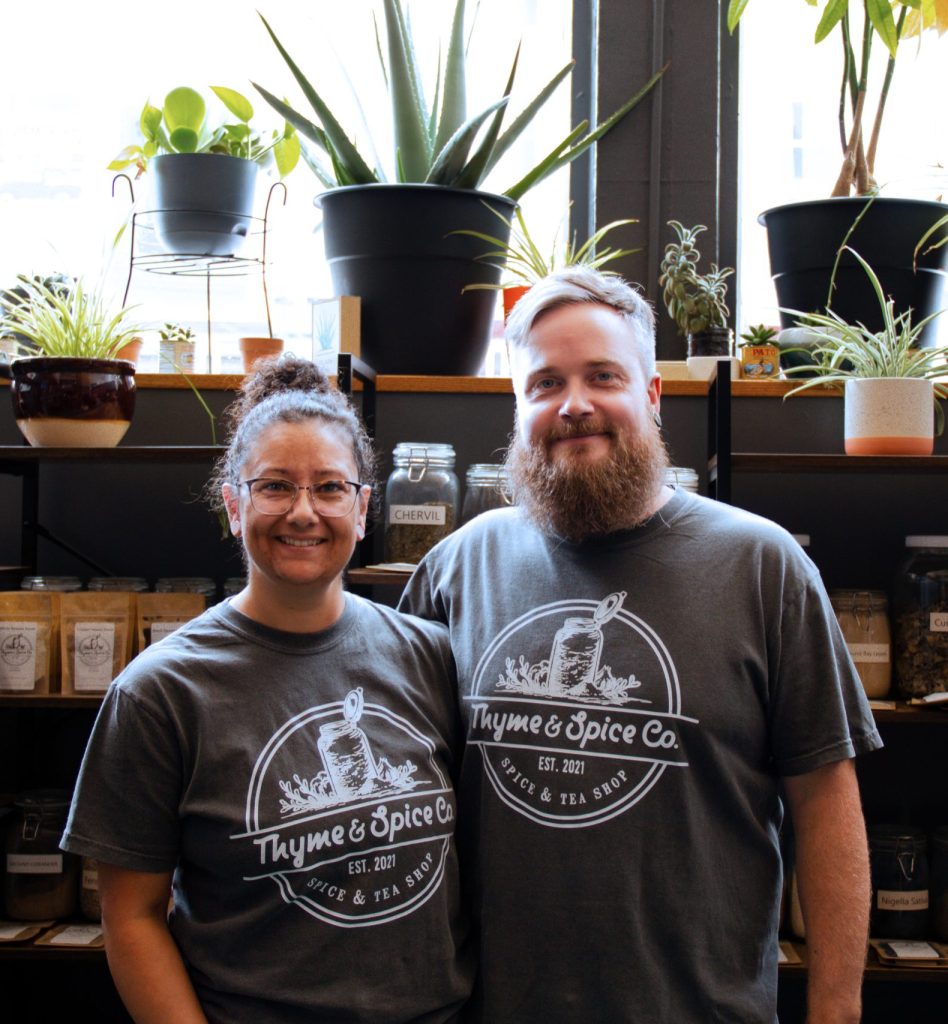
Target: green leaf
[[184, 108], [236, 103], [454, 100], [410, 117], [880, 14], [286, 153], [734, 11], [150, 121], [451, 160], [184, 140], [833, 14], [342, 149]]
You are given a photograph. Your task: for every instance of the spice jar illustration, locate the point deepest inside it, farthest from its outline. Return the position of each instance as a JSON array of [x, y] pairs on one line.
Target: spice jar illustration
[[577, 648], [345, 752]]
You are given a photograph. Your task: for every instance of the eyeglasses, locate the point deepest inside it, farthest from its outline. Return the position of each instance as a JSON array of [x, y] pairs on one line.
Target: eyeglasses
[[271, 496]]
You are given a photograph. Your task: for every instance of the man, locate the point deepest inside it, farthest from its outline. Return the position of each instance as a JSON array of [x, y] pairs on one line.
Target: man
[[646, 676]]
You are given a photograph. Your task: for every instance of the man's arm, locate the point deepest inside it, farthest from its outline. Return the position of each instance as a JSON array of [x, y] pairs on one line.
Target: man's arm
[[144, 960], [833, 876]]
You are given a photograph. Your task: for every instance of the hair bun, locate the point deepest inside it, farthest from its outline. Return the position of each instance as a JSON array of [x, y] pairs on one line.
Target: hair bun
[[275, 376]]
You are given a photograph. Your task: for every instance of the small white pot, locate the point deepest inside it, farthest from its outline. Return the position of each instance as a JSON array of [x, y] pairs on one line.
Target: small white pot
[[889, 416]]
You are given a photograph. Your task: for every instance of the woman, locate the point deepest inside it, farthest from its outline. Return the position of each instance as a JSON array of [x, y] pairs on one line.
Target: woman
[[283, 762]]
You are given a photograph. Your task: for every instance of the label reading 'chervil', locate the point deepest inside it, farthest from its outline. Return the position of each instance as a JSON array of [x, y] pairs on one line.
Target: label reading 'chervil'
[[417, 515]]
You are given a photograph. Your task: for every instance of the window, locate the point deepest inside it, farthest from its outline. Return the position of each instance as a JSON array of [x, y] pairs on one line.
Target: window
[[789, 138], [74, 82]]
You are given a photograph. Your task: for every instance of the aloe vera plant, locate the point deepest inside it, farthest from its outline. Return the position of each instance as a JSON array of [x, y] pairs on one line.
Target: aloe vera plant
[[442, 146]]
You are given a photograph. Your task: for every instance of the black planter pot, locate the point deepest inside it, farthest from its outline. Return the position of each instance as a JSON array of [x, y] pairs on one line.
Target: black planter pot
[[203, 202], [714, 341], [392, 245], [803, 239]]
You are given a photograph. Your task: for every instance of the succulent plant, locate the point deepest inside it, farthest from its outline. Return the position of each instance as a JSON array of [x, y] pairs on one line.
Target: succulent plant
[[759, 334], [694, 301]]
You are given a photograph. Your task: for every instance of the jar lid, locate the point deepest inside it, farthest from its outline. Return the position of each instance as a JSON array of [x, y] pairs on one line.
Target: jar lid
[[122, 583], [487, 473], [423, 453], [683, 477], [926, 541], [859, 598], [62, 583], [185, 585], [43, 799]]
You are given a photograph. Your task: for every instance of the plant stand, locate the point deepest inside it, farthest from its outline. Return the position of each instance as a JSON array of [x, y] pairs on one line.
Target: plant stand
[[146, 253]]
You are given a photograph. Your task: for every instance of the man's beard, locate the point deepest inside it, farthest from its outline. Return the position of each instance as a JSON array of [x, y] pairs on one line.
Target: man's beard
[[579, 498]]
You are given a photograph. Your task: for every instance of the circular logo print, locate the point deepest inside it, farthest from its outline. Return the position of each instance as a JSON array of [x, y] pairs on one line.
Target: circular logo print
[[16, 649], [577, 710]]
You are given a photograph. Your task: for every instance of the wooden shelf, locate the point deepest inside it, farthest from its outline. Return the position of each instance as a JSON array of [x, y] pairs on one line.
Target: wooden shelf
[[775, 462], [377, 577], [51, 700], [21, 454]]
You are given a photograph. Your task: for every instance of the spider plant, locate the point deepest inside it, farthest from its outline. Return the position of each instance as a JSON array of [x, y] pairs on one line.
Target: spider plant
[[432, 145], [526, 263], [847, 351], [73, 324]]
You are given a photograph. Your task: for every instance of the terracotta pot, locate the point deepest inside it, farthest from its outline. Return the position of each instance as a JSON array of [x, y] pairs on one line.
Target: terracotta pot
[[72, 403], [511, 296], [254, 349], [131, 351], [889, 416]]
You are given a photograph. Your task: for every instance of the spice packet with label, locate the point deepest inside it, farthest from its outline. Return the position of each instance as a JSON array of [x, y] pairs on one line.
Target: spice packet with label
[[95, 639], [26, 641], [157, 615]]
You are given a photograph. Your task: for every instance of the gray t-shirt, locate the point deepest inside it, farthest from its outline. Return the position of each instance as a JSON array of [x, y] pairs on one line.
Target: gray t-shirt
[[630, 705], [300, 787]]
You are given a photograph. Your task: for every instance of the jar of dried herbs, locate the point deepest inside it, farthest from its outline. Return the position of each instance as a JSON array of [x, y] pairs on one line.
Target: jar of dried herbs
[[59, 584], [41, 881], [203, 585], [486, 486], [920, 614], [421, 499], [863, 617], [119, 584]]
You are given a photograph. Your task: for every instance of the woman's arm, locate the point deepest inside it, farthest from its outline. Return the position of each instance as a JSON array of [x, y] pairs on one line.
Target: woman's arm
[[144, 959]]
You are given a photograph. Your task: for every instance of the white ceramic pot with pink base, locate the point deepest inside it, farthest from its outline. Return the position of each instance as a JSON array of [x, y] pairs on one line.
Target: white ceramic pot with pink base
[[889, 416]]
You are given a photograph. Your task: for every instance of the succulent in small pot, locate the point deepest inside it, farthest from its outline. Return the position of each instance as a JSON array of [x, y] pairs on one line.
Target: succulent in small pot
[[696, 302], [892, 386], [74, 392], [175, 348], [760, 354]]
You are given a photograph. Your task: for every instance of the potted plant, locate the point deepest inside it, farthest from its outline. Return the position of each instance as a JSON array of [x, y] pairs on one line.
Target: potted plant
[[253, 349], [807, 241], [73, 392], [175, 349], [891, 385], [204, 175], [389, 243], [696, 302], [520, 258], [760, 354], [11, 342]]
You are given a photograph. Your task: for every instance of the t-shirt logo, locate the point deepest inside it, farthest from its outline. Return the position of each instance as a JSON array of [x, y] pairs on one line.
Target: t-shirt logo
[[356, 837], [576, 708]]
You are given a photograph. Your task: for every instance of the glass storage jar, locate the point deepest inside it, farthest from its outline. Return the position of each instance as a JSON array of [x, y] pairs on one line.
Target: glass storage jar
[[41, 881], [421, 499], [939, 883], [898, 861], [486, 486], [920, 617], [89, 903], [863, 617]]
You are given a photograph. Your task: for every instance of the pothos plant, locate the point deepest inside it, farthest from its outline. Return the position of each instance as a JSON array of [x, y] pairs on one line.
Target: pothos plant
[[694, 301], [525, 262], [440, 144], [181, 125], [891, 24]]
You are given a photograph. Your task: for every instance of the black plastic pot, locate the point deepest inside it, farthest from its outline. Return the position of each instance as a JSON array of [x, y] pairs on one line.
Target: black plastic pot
[[203, 202], [803, 239], [713, 341], [392, 245]]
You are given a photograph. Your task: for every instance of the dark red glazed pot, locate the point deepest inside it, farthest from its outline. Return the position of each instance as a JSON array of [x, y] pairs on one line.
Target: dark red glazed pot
[[61, 402]]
